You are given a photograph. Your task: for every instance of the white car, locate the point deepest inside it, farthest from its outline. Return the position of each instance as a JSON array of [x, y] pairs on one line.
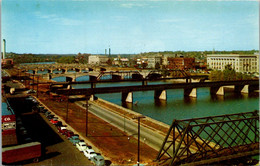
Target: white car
[[81, 146], [89, 153]]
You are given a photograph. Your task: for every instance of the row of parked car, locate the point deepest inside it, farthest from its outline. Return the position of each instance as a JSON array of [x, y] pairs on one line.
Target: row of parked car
[[87, 150]]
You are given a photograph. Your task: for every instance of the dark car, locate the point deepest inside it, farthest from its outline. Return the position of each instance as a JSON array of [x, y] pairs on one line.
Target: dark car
[[50, 116], [58, 124], [69, 134], [62, 129]]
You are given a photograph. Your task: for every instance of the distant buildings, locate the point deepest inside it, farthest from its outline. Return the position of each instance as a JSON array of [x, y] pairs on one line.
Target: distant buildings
[[97, 60], [241, 63], [181, 63], [153, 61]]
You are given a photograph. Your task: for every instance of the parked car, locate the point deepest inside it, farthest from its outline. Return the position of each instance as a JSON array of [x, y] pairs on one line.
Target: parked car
[[69, 134], [98, 160], [74, 139], [50, 116], [54, 120], [47, 113], [89, 153], [58, 124], [81, 146], [62, 129], [31, 91]]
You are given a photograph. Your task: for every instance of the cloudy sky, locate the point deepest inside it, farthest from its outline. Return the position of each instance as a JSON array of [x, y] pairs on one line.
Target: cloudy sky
[[128, 26]]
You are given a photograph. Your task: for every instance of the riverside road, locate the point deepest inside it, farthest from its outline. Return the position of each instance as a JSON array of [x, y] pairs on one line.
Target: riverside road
[[147, 135]]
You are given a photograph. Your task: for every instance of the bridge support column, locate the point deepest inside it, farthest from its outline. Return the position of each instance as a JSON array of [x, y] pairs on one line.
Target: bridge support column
[[93, 85], [160, 94], [92, 98], [127, 97], [144, 83], [217, 90], [191, 92], [92, 78]]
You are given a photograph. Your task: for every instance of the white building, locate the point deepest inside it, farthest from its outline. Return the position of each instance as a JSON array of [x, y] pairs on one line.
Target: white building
[[97, 60], [153, 60], [241, 63]]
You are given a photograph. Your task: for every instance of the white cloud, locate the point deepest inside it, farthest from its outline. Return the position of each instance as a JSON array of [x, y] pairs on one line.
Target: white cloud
[[53, 18], [131, 5]]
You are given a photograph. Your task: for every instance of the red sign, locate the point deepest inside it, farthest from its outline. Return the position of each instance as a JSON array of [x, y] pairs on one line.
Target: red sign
[[8, 118]]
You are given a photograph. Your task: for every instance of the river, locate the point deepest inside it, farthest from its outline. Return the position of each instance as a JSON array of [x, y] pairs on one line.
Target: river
[[177, 106]]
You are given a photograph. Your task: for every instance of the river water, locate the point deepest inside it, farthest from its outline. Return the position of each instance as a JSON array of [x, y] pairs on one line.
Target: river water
[[177, 106]]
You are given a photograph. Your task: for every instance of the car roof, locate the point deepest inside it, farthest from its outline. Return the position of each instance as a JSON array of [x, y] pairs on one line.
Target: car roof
[[99, 157], [90, 150]]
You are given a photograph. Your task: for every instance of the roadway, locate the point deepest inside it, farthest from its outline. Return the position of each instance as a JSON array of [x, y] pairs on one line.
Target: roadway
[[148, 136]]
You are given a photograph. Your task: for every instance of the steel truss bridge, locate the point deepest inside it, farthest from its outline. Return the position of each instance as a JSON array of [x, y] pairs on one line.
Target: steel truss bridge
[[212, 139]]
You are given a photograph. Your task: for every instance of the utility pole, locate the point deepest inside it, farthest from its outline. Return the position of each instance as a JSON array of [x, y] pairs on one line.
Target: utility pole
[[87, 99], [37, 84], [138, 146], [67, 112]]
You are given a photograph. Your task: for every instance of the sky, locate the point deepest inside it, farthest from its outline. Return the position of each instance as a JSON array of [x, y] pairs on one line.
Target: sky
[[128, 26]]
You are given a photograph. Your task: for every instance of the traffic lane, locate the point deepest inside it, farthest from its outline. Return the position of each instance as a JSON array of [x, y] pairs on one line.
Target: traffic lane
[[58, 150], [151, 137]]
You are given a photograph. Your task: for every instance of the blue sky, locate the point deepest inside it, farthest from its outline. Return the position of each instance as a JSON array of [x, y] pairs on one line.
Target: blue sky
[[128, 26]]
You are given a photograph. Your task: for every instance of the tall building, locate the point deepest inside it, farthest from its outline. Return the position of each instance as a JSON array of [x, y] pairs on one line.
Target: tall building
[[241, 63]]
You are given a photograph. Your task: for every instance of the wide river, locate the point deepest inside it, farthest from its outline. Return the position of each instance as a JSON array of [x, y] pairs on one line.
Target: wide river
[[176, 106]]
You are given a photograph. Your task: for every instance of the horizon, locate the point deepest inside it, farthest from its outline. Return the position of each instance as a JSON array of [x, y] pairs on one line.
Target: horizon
[[128, 27], [256, 51]]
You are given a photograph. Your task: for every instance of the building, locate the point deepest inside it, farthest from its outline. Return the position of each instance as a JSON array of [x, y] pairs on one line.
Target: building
[[181, 63], [97, 60], [241, 63], [153, 60], [8, 125]]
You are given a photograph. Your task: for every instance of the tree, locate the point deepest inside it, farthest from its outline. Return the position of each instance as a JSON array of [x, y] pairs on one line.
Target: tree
[[157, 65]]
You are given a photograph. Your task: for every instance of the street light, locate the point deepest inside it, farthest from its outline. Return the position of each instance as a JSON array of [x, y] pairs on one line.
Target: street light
[[138, 146]]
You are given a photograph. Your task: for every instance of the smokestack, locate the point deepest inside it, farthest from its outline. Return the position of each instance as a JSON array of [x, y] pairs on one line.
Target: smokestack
[[4, 47], [105, 51], [109, 52]]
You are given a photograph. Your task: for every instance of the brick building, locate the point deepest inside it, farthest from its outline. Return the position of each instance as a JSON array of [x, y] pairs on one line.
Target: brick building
[[181, 63]]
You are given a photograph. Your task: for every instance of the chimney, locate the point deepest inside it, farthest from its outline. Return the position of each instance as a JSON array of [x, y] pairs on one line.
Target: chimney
[[109, 52], [4, 47]]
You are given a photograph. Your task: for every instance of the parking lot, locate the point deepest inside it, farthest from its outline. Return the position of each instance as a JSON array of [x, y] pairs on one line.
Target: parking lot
[[56, 148]]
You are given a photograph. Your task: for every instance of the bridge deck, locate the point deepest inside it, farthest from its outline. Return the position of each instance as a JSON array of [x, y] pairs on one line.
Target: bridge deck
[[102, 90]]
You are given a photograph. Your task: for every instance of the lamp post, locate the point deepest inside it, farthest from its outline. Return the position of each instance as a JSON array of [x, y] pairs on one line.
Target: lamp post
[[138, 146]]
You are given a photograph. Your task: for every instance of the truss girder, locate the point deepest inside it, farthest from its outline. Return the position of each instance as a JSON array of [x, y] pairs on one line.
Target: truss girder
[[205, 139]]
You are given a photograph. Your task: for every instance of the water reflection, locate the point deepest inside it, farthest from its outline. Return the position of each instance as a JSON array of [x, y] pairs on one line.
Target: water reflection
[[160, 103], [189, 100]]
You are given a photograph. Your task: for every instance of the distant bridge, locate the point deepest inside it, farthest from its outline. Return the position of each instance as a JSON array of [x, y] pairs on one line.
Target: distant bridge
[[190, 89]]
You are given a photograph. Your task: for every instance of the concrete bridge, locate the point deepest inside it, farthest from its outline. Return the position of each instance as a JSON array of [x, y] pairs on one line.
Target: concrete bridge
[[160, 91]]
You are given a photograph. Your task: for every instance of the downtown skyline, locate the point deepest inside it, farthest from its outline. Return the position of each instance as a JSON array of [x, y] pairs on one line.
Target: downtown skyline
[[128, 27]]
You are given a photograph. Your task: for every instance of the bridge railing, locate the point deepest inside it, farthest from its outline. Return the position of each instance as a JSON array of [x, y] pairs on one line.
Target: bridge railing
[[216, 138]]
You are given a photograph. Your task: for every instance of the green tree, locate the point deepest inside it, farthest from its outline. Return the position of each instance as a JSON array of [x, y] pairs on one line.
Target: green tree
[[157, 65]]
